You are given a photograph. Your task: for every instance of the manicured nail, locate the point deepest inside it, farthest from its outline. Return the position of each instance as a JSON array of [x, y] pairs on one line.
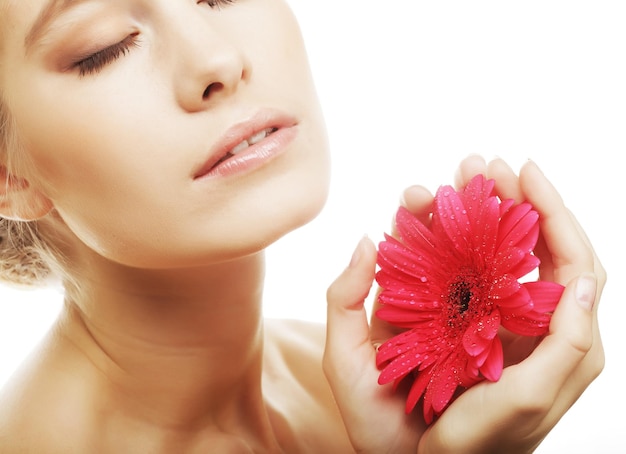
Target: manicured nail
[[586, 290], [358, 252]]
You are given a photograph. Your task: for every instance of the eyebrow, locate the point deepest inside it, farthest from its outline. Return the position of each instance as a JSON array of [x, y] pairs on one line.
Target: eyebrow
[[52, 10]]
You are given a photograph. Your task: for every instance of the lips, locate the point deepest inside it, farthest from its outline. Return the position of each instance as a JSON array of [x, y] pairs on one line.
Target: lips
[[248, 144], [244, 144]]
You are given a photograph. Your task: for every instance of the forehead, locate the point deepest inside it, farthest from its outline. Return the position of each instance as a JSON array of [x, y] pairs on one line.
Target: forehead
[[14, 17]]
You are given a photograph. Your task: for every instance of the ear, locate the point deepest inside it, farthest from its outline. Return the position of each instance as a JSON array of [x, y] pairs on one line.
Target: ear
[[19, 200]]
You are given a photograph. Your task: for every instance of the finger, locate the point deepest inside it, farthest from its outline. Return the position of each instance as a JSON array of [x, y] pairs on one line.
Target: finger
[[528, 399], [419, 201], [569, 251], [469, 167], [347, 334], [570, 337], [507, 182]]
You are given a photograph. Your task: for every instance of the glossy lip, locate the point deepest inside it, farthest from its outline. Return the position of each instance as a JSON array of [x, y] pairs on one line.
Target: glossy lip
[[254, 155]]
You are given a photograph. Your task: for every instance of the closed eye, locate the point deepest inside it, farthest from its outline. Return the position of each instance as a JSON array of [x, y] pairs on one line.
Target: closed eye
[[94, 63], [217, 3]]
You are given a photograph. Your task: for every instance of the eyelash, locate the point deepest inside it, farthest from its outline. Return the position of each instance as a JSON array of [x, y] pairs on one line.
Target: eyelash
[[95, 62], [216, 3]]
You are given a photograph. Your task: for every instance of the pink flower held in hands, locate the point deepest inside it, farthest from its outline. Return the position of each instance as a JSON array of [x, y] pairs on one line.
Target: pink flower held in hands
[[452, 285]]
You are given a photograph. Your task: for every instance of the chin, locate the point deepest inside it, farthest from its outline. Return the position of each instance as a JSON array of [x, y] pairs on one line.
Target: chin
[[297, 210]]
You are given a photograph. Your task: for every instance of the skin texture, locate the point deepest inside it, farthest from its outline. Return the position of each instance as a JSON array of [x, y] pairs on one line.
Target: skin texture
[[169, 268], [161, 346]]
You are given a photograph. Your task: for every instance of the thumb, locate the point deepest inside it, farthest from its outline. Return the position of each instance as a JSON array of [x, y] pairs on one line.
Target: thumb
[[347, 334]]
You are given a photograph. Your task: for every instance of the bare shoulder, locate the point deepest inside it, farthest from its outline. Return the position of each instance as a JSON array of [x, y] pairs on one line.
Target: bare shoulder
[[294, 349], [296, 388], [289, 335], [40, 405]]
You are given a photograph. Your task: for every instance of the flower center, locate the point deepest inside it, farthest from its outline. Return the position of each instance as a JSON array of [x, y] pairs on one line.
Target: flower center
[[460, 295], [465, 300]]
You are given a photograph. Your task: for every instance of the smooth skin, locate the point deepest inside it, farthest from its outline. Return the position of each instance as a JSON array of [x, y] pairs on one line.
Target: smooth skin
[[512, 415], [161, 346]]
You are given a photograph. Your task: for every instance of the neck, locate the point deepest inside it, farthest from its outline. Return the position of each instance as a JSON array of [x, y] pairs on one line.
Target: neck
[[180, 348]]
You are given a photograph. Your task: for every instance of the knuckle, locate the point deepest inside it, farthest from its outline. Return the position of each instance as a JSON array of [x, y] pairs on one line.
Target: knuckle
[[597, 363], [580, 343], [333, 292], [532, 402], [601, 275]]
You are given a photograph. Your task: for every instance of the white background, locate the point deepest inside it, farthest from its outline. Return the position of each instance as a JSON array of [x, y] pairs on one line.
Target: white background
[[411, 87]]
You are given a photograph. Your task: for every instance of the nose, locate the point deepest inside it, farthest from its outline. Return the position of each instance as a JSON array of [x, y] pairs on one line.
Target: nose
[[209, 65]]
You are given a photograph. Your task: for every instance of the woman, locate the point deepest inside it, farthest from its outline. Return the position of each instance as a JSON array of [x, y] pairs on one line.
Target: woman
[[151, 151]]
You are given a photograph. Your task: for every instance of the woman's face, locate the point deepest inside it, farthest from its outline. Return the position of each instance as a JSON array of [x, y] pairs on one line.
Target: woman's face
[[134, 113]]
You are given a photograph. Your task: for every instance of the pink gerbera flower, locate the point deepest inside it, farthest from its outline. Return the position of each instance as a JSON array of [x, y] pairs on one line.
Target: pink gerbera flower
[[452, 285]]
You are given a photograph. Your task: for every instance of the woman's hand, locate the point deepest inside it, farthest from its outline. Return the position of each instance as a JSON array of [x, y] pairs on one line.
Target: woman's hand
[[541, 383]]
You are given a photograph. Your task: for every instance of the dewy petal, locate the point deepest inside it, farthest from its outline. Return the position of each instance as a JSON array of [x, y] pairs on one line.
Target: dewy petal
[[485, 227], [404, 363], [492, 367], [473, 343], [400, 367], [450, 285], [504, 286], [489, 325], [397, 345], [528, 264], [417, 389], [451, 215], [405, 318], [544, 294], [475, 194], [442, 385], [529, 324], [514, 261], [414, 298], [480, 334], [519, 228], [394, 255], [505, 205], [518, 303], [415, 234]]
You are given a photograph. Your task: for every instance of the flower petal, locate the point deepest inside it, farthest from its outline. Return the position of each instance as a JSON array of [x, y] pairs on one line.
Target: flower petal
[[514, 261], [405, 318], [394, 255], [442, 386], [473, 342], [492, 367], [399, 367], [528, 264], [451, 221], [413, 298], [417, 389], [476, 194], [489, 325], [504, 286], [415, 234], [529, 324], [450, 285], [485, 229], [397, 345], [519, 228], [544, 294]]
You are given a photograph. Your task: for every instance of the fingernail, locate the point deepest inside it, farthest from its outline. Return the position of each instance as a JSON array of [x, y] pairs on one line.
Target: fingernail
[[586, 291], [358, 252]]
